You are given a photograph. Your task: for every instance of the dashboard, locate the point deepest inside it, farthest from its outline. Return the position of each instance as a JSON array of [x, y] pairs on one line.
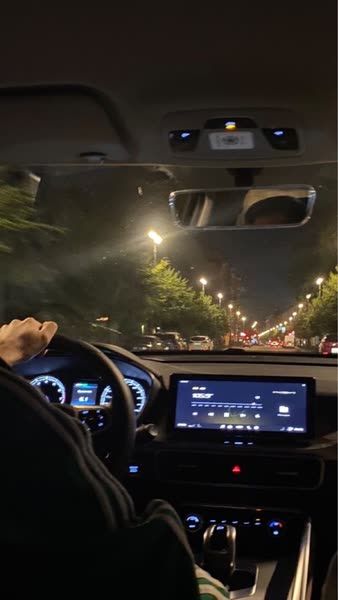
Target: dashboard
[[246, 440]]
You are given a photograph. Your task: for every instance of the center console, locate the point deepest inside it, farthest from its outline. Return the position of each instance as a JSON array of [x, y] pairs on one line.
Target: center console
[[250, 436], [271, 549]]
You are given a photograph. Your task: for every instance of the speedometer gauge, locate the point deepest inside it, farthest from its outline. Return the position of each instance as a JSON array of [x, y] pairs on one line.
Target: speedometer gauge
[[51, 387], [137, 389], [138, 392]]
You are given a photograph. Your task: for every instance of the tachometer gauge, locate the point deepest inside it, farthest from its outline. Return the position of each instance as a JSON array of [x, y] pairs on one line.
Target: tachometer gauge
[[138, 391], [51, 387]]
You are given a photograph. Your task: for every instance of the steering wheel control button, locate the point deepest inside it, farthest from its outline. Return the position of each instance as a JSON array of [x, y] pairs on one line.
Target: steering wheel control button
[[134, 470], [193, 522], [95, 419]]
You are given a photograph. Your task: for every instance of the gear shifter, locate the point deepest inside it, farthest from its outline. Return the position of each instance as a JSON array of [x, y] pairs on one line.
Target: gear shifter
[[219, 548]]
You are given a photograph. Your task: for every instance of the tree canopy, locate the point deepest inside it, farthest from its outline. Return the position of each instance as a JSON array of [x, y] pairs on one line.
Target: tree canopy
[[319, 316], [172, 304]]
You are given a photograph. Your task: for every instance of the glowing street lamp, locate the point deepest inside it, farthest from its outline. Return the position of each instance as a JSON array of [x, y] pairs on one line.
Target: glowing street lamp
[[230, 306], [204, 282], [300, 306], [157, 240], [290, 318], [254, 324], [319, 282], [220, 298], [308, 296], [294, 314], [243, 319], [238, 313]]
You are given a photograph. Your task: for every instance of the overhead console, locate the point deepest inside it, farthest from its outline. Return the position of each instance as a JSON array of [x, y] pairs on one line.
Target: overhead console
[[234, 134]]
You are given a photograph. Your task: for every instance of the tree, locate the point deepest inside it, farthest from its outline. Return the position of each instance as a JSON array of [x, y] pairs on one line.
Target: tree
[[25, 239], [324, 307], [210, 318], [170, 300], [18, 214], [320, 315], [172, 304]]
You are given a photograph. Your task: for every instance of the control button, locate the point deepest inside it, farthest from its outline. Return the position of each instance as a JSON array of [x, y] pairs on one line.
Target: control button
[[134, 469], [236, 470], [184, 140], [193, 522], [282, 138], [230, 123]]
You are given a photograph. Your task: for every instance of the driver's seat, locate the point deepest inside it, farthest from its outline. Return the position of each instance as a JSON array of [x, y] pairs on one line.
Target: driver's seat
[[67, 525]]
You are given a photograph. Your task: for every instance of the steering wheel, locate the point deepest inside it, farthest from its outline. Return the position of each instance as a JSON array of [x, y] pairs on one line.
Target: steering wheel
[[113, 426]]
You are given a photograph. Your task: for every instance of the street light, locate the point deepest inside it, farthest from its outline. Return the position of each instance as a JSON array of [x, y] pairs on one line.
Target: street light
[[157, 240], [254, 324], [204, 283], [294, 314], [308, 296], [290, 318], [285, 322], [220, 298], [243, 319], [300, 306], [238, 313], [319, 282], [230, 307]]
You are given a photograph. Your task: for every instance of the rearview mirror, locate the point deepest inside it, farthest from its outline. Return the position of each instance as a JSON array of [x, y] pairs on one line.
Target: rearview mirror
[[251, 207]]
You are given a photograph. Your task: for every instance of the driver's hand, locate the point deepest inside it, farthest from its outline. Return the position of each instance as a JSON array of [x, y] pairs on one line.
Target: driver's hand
[[22, 340]]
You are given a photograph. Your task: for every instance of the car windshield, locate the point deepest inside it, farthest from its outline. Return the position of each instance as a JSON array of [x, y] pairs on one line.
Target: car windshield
[[96, 250]]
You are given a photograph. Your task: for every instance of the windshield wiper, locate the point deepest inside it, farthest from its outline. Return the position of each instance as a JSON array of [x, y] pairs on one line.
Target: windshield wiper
[[234, 351]]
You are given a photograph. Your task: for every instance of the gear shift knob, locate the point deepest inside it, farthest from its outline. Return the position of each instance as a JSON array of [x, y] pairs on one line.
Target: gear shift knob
[[219, 547]]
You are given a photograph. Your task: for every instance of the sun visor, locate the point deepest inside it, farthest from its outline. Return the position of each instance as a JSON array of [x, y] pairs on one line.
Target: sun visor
[[59, 126]]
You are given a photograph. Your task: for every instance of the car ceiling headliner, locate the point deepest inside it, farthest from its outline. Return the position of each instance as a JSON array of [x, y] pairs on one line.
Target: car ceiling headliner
[[152, 59], [172, 52]]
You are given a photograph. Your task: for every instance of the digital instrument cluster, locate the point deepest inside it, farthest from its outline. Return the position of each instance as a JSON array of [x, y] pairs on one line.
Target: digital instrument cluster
[[82, 394]]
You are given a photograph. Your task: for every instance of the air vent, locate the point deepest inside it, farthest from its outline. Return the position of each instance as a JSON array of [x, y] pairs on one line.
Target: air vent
[[235, 469]]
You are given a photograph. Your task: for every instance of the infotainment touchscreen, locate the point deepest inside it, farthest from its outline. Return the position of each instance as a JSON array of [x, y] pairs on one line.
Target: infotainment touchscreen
[[243, 405]]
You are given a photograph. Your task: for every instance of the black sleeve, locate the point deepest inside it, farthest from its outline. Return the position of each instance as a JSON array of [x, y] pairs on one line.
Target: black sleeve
[[4, 365]]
